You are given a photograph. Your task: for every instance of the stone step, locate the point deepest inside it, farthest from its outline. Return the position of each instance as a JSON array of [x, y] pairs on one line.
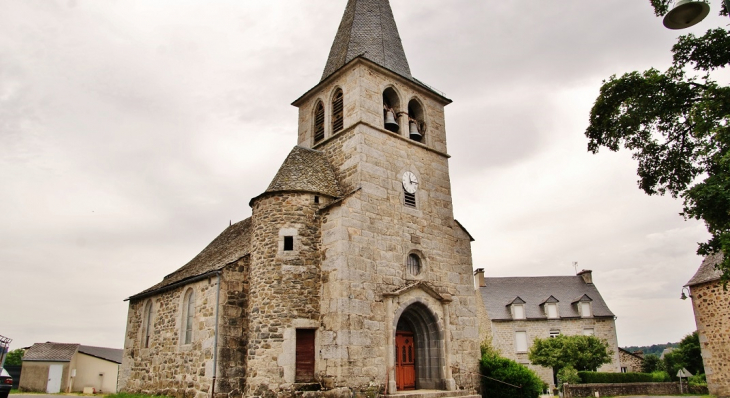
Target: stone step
[[433, 394]]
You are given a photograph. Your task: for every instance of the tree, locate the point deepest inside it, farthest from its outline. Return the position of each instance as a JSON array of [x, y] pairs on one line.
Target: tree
[[677, 125], [651, 364], [15, 357], [501, 370], [689, 354], [579, 352]]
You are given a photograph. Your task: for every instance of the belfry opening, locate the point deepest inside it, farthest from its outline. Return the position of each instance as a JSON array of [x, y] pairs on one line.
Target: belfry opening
[[419, 354]]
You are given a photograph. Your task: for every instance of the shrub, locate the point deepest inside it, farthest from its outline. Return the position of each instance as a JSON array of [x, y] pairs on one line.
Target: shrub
[[507, 371], [601, 377], [568, 375], [660, 376], [698, 380]]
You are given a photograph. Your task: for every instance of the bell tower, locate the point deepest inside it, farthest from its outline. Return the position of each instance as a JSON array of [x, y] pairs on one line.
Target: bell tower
[[397, 298]]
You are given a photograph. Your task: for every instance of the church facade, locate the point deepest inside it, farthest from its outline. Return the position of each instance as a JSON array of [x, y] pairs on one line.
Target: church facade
[[351, 274]]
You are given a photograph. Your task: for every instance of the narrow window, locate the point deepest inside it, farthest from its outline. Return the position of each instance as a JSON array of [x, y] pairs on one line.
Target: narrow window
[[391, 106], [148, 324], [409, 199], [416, 123], [520, 341], [552, 310], [519, 311], [288, 243], [189, 315], [585, 309], [414, 264], [337, 117], [588, 332], [305, 355], [319, 122], [316, 199], [554, 333]]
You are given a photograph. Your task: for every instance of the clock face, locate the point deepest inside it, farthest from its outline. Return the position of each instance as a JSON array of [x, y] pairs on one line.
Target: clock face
[[410, 182]]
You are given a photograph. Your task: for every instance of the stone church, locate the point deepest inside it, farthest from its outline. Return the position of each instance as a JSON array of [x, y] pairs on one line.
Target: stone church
[[352, 276]]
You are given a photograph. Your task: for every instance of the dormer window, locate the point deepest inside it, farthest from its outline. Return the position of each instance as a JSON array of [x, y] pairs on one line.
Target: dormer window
[[584, 306], [550, 306], [517, 308], [337, 112]]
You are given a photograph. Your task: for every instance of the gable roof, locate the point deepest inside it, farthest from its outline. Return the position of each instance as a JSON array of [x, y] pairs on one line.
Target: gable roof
[[51, 352], [109, 354], [368, 29], [707, 271], [306, 170], [233, 243], [498, 293]]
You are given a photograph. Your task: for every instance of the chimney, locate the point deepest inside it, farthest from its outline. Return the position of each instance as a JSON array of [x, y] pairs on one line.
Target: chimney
[[639, 354], [587, 276], [479, 277]]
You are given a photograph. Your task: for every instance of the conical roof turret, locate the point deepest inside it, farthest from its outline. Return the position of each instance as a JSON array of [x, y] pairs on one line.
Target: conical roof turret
[[368, 29]]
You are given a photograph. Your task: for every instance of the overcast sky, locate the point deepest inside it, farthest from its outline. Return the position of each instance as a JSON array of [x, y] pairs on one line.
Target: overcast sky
[[132, 132]]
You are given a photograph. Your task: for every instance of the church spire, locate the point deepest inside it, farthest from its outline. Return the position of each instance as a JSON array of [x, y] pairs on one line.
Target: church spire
[[368, 29]]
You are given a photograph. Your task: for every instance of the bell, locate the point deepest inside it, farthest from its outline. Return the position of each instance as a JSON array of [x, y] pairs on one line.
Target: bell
[[413, 131], [686, 13], [390, 123]]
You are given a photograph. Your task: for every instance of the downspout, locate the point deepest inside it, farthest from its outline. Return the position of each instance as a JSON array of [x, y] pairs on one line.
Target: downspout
[[215, 336]]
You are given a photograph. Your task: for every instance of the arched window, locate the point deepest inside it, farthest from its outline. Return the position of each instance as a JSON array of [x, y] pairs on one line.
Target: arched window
[[337, 114], [147, 323], [413, 265], [318, 122], [416, 121], [188, 316], [391, 109]]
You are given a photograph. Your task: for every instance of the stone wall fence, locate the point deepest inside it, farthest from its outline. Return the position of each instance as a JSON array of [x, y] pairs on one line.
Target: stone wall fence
[[618, 389]]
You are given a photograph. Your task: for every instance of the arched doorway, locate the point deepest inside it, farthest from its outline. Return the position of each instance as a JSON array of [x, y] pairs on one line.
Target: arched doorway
[[418, 350]]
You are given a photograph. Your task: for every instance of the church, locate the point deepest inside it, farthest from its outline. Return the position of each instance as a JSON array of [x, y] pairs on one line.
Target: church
[[351, 277]]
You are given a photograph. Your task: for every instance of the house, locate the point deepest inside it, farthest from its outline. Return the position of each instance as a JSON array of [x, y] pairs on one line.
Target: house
[[712, 315], [520, 309], [631, 362], [351, 272], [60, 367]]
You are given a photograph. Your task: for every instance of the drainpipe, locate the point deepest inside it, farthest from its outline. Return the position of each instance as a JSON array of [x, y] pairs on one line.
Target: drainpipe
[[215, 337]]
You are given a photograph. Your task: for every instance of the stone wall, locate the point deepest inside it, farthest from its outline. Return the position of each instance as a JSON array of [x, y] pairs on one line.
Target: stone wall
[[285, 288], [711, 305], [632, 363], [169, 367], [623, 389], [503, 338]]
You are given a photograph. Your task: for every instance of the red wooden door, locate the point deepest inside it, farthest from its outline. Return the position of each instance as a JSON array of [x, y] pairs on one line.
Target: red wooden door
[[405, 361], [305, 355]]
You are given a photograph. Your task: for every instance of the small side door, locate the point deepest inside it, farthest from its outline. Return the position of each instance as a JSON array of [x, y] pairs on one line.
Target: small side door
[[55, 373]]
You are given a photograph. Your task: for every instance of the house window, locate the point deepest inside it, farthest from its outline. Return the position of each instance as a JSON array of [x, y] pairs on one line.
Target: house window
[[554, 333], [337, 117], [551, 309], [624, 369], [305, 355], [413, 265], [585, 309], [188, 316], [520, 341], [147, 323], [518, 311], [288, 243], [319, 122], [588, 332]]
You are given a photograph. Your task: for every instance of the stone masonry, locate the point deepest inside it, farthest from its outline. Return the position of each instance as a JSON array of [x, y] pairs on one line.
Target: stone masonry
[[711, 303]]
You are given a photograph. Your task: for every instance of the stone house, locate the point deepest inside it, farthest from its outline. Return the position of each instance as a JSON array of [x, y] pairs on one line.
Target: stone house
[[631, 362], [711, 305], [520, 309], [351, 273], [60, 367]]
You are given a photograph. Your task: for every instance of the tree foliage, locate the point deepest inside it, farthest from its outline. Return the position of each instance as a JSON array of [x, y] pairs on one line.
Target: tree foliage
[[688, 355], [651, 364], [505, 370], [677, 125], [580, 352], [15, 357]]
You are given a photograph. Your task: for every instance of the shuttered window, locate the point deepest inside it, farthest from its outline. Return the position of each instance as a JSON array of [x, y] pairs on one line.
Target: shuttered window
[[337, 115], [409, 199], [319, 122], [520, 341], [305, 355]]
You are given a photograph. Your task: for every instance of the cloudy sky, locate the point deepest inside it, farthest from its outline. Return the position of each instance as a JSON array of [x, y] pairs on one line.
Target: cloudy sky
[[132, 132]]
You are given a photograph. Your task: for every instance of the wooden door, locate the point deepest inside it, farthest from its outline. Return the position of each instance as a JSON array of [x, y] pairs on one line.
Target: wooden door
[[55, 373], [405, 361], [305, 355]]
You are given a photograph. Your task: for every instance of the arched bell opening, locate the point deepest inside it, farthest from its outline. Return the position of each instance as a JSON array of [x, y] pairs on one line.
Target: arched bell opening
[[418, 332], [391, 108], [416, 121]]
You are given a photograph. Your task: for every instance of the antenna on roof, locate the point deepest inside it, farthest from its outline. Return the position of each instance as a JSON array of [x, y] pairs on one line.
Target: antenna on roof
[[575, 265], [230, 222]]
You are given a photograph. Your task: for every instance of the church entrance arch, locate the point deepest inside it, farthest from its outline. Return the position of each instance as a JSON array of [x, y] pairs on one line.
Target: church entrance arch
[[418, 350]]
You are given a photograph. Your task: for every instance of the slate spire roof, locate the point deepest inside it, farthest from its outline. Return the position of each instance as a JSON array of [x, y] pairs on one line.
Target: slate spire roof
[[368, 29], [306, 170], [707, 271]]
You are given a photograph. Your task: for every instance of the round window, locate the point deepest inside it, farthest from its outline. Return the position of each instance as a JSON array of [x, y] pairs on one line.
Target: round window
[[414, 264]]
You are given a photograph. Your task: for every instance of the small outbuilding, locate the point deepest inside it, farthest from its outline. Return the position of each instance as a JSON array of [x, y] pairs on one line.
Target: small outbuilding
[[62, 367]]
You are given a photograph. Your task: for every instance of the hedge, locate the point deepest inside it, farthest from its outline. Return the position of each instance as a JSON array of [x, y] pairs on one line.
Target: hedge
[[508, 371], [601, 377]]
